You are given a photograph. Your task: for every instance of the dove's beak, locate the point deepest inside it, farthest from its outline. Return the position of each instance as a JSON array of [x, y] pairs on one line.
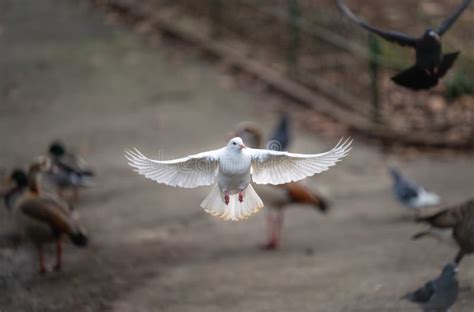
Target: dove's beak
[[242, 146]]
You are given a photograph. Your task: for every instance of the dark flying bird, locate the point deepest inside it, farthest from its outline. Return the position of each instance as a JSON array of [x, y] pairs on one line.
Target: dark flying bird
[[456, 222], [410, 194], [41, 218], [437, 295], [292, 193], [431, 64], [68, 171]]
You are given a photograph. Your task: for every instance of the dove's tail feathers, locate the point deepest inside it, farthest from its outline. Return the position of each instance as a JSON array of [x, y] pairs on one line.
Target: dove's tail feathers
[[415, 78], [235, 211]]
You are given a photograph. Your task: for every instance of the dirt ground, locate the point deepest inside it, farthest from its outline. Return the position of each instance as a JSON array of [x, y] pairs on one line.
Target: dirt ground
[[65, 74]]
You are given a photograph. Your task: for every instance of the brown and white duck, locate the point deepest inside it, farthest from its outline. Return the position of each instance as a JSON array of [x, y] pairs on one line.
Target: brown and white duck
[[41, 219]]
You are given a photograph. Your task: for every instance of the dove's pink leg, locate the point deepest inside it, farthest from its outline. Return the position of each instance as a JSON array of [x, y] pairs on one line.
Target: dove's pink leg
[[241, 196], [226, 197]]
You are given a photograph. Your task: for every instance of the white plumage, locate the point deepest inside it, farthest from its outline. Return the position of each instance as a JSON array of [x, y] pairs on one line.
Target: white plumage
[[233, 198]]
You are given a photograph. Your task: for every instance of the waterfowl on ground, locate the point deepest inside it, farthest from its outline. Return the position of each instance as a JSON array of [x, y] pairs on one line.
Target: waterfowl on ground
[[42, 219]]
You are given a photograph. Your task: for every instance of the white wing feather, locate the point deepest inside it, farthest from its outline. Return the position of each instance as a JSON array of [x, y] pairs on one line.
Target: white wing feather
[[272, 167], [188, 172]]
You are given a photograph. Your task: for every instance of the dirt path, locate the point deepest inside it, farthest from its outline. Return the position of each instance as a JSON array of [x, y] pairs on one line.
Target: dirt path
[[66, 75]]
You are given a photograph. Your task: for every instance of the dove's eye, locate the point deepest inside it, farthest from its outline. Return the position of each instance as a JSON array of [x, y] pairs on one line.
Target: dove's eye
[[234, 143]]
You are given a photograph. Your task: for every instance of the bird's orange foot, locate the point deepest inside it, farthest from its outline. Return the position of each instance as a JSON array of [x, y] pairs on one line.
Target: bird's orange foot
[[226, 197], [241, 196]]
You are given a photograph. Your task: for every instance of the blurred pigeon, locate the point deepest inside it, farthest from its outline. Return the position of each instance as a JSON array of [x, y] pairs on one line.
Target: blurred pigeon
[[293, 193], [431, 64], [280, 139], [68, 171], [410, 194], [235, 165], [457, 222], [437, 295]]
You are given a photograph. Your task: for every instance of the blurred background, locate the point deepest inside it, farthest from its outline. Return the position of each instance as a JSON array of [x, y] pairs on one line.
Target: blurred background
[[174, 78]]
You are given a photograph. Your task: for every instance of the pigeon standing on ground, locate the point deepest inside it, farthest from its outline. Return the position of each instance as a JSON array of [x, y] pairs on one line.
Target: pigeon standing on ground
[[294, 193], [456, 222], [437, 295], [431, 64], [235, 165], [410, 194]]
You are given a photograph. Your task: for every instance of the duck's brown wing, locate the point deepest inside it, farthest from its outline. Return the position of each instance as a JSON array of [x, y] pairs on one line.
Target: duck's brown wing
[[49, 212]]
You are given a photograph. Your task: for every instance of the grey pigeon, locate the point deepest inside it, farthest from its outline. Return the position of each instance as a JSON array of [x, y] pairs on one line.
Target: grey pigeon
[[458, 221], [437, 295], [280, 139], [431, 64], [410, 194]]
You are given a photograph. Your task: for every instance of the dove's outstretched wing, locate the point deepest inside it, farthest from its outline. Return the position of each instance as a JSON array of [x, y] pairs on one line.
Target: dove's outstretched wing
[[392, 36], [448, 22], [273, 167], [188, 172]]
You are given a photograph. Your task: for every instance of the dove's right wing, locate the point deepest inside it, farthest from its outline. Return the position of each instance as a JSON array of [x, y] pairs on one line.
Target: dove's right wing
[[188, 172], [392, 36], [273, 167], [448, 22]]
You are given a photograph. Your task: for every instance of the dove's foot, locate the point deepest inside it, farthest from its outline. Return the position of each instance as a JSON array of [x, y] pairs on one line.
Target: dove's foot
[[241, 196], [226, 197]]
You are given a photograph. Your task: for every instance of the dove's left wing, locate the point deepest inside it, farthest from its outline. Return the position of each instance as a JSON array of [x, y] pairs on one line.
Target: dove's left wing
[[188, 172], [272, 167]]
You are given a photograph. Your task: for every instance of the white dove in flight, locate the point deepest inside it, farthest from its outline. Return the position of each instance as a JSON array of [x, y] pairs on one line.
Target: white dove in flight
[[235, 165]]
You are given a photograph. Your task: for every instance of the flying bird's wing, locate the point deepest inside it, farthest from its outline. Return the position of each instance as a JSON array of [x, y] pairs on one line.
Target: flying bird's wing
[[273, 167], [448, 22], [392, 36], [188, 172]]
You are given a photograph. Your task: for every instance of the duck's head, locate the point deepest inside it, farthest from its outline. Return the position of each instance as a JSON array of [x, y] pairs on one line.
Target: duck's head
[[19, 178], [15, 183], [57, 149]]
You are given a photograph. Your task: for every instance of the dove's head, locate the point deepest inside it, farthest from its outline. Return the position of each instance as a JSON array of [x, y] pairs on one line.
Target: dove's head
[[236, 144]]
